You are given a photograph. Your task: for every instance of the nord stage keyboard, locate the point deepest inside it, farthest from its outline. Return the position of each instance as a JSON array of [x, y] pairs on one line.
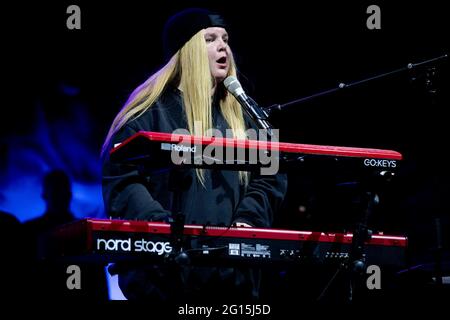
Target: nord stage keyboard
[[117, 240]]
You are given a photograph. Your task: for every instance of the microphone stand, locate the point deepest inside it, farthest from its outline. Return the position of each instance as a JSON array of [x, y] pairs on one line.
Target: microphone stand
[[358, 262], [259, 116], [355, 266], [431, 71], [177, 239]]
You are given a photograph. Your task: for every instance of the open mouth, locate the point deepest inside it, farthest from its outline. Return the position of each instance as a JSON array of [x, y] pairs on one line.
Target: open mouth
[[222, 60]]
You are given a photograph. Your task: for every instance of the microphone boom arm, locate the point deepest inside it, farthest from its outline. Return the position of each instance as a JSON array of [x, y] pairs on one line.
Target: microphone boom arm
[[342, 85]]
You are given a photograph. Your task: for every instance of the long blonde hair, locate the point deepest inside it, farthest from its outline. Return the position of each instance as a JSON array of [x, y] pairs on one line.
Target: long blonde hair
[[190, 66]]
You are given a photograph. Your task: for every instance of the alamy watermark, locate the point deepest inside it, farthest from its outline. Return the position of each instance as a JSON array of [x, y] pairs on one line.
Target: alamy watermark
[[260, 149], [74, 19], [374, 280], [74, 279], [374, 20]]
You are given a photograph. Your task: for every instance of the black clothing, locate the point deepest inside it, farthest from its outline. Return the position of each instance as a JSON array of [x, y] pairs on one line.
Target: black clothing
[[131, 193]]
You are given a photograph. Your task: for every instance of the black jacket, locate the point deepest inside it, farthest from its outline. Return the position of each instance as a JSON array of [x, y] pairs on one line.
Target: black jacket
[[130, 193]]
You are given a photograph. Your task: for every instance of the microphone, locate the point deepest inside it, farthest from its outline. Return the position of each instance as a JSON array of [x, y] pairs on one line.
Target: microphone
[[250, 106]]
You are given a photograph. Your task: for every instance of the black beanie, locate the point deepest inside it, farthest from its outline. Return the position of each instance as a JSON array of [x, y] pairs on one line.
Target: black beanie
[[181, 27]]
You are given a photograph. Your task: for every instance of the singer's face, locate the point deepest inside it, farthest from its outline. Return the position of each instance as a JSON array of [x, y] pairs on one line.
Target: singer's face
[[218, 52]]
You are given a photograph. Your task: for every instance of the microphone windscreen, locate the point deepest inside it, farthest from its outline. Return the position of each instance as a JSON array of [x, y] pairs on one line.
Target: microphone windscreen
[[232, 84]]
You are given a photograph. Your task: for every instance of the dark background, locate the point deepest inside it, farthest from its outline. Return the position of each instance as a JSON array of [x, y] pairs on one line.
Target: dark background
[[62, 89]]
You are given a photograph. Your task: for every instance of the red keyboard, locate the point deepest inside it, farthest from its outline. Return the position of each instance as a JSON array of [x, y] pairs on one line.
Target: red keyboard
[[158, 150], [114, 240]]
